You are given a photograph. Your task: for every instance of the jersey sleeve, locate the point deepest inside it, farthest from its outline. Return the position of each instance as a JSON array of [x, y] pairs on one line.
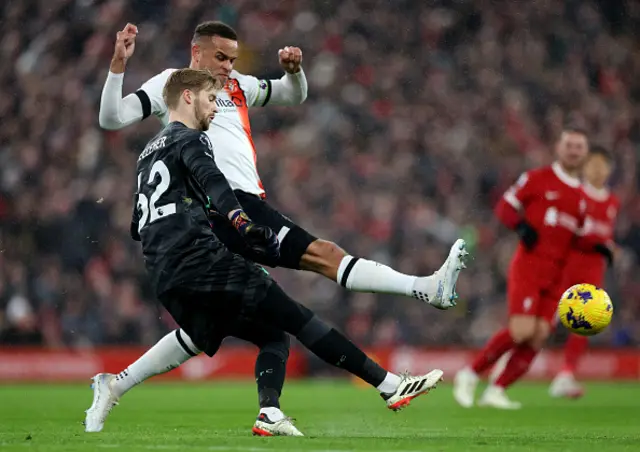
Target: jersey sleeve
[[117, 112], [135, 219], [197, 156], [520, 194], [150, 94], [611, 216], [585, 241], [256, 91], [290, 89]]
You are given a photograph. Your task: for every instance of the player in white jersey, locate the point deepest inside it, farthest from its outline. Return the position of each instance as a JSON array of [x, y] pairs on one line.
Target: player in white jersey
[[215, 47]]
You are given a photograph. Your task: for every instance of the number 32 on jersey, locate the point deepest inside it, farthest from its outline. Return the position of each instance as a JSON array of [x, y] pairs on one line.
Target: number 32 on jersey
[[148, 209]]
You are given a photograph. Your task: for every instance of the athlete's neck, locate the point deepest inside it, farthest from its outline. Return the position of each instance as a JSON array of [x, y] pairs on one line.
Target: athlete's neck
[[186, 119], [571, 172]]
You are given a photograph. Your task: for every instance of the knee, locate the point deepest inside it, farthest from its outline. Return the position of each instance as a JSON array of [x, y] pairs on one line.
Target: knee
[[542, 333], [187, 344], [522, 329], [279, 348]]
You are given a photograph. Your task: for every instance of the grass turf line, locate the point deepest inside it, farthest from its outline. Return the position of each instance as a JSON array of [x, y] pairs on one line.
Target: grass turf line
[[335, 417]]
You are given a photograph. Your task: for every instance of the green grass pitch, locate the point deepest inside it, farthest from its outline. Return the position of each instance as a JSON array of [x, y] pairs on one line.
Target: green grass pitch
[[335, 416]]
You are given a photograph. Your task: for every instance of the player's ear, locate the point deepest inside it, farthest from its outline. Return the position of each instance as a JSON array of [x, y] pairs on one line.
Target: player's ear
[[188, 96], [195, 53]]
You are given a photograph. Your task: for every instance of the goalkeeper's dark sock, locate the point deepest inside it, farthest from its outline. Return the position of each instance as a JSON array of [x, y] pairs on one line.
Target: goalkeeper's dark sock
[[279, 310], [498, 345], [270, 371], [335, 349]]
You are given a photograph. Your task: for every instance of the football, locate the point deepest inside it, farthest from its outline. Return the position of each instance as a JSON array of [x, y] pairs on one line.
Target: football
[[585, 309]]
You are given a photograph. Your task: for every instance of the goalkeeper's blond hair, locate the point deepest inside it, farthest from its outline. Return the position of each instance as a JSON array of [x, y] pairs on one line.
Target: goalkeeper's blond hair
[[192, 79]]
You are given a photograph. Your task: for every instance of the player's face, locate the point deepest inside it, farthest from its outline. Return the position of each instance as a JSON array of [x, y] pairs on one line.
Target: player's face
[[597, 170], [205, 108], [217, 55], [572, 149]]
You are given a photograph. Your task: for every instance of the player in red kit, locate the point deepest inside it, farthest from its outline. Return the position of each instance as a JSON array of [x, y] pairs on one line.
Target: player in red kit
[[585, 265], [546, 208]]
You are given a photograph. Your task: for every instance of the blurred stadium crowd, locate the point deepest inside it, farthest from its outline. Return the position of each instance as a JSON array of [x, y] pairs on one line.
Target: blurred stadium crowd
[[420, 114]]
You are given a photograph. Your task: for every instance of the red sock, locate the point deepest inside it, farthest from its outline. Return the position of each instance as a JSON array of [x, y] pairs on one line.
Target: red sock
[[574, 350], [497, 346], [517, 366]]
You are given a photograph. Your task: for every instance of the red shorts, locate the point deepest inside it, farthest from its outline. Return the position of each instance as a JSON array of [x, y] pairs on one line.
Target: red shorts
[[534, 290], [587, 275], [584, 268]]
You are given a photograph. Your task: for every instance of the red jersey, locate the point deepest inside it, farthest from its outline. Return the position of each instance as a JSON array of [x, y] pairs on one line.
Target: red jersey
[[552, 202], [583, 264]]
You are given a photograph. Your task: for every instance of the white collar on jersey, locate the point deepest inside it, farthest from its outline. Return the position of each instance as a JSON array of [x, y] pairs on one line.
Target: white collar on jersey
[[599, 194], [564, 176]]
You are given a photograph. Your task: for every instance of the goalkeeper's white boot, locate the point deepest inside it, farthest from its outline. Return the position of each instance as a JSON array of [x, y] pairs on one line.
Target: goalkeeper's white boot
[[282, 427], [464, 387], [412, 387], [565, 385], [439, 289], [495, 397], [103, 401]]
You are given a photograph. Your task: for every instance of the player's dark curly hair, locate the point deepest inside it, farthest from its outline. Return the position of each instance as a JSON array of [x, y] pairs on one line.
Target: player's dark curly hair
[[214, 28], [573, 128], [597, 149]]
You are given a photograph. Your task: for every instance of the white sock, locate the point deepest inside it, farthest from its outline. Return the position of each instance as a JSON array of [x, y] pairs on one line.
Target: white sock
[[362, 275], [470, 371], [167, 354], [274, 414], [390, 383]]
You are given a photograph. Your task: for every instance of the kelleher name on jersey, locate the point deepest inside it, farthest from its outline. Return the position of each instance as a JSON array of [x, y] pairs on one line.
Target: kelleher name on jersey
[[153, 147]]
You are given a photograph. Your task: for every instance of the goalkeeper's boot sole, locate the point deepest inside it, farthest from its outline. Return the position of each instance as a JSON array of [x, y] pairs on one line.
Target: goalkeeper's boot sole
[[266, 427], [412, 387]]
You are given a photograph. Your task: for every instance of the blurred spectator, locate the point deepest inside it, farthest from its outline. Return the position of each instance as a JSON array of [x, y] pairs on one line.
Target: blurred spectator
[[421, 115]]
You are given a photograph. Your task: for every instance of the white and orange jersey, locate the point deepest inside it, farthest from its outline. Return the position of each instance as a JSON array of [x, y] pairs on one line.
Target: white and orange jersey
[[230, 131]]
